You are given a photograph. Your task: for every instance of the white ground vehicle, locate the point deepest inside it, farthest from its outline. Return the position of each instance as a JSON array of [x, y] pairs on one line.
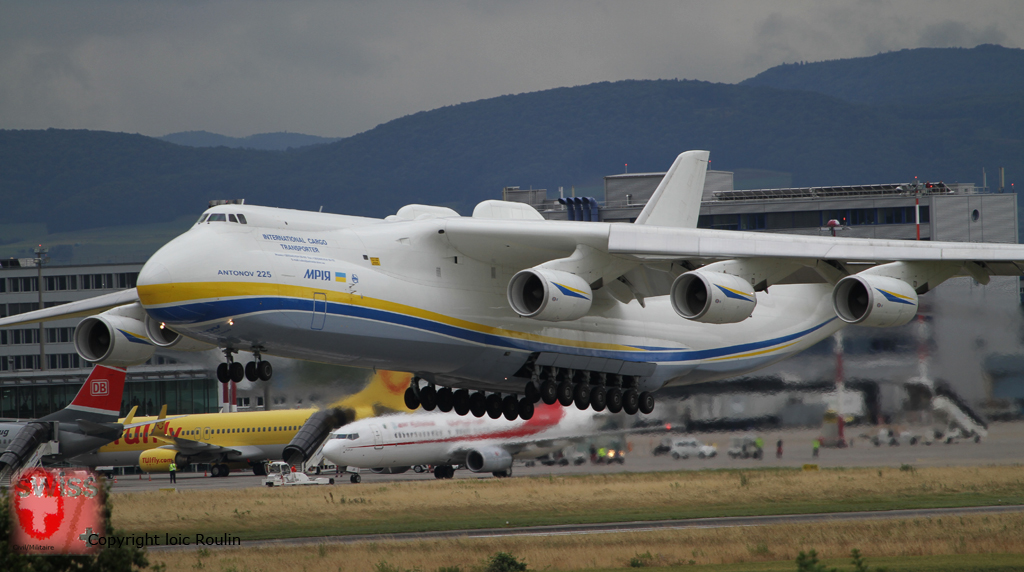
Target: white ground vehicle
[[686, 448], [745, 447], [280, 474]]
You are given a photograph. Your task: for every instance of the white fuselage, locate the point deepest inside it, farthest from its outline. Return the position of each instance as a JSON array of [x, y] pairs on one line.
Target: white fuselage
[[445, 438], [402, 296]]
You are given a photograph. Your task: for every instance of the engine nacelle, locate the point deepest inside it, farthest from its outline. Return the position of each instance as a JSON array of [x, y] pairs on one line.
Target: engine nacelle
[[550, 295], [878, 301], [712, 297], [163, 337], [488, 460], [159, 460], [114, 338]]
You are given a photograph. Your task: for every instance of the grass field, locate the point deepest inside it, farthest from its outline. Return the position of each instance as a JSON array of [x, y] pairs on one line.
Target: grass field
[[475, 503], [967, 543]]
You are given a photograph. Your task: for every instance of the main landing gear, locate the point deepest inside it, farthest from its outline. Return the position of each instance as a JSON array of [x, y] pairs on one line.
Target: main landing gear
[[232, 370], [613, 393]]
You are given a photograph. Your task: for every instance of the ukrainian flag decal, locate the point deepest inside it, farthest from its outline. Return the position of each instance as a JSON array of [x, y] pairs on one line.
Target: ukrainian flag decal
[[894, 297], [572, 292], [340, 277]]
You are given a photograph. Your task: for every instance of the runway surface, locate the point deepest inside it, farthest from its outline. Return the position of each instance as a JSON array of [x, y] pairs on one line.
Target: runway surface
[[1003, 446], [618, 527]]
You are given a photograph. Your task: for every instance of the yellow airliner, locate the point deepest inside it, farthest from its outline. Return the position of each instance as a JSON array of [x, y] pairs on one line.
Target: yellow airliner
[[240, 440]]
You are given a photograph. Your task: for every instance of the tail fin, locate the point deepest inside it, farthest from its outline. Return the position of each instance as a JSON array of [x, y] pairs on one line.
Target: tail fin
[[385, 392], [98, 400], [676, 201]]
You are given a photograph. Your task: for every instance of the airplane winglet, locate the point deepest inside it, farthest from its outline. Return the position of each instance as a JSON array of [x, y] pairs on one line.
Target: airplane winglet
[[131, 415], [676, 201], [161, 423]]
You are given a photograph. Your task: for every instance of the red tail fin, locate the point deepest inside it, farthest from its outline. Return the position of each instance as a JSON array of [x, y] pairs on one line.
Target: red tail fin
[[101, 393]]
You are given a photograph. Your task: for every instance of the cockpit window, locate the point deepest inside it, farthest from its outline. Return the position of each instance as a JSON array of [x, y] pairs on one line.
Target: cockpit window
[[232, 218], [241, 219], [202, 218], [218, 217], [350, 436]]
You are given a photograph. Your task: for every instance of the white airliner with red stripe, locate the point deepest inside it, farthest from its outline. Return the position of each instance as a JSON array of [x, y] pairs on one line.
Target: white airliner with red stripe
[[446, 440]]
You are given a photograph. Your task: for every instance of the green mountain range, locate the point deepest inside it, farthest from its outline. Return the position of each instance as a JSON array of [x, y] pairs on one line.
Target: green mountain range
[[826, 123]]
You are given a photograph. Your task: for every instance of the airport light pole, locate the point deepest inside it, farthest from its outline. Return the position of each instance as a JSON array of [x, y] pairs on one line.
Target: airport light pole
[[40, 259]]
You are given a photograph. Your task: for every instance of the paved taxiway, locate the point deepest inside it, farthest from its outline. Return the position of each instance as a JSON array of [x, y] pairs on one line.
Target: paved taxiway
[[618, 527], [1004, 445]]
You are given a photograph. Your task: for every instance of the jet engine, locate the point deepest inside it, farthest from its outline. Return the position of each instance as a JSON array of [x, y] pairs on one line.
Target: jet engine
[[159, 460], [712, 297], [871, 300], [164, 337], [550, 295], [488, 460], [116, 337]]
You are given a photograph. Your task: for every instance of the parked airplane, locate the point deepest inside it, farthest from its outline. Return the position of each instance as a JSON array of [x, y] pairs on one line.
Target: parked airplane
[[89, 421], [447, 440], [511, 306], [238, 440]]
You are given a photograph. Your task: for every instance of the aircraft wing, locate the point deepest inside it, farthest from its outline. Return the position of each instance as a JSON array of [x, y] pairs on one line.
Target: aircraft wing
[[79, 309], [646, 259]]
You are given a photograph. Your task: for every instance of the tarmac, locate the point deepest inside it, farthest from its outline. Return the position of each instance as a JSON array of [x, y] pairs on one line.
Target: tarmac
[[1003, 446]]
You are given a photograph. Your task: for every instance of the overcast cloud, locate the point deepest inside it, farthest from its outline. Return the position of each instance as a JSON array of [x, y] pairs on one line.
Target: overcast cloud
[[337, 68]]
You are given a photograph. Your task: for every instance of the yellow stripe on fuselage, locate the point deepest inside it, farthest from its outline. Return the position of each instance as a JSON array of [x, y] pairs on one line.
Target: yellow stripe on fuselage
[[757, 353], [225, 429], [193, 292]]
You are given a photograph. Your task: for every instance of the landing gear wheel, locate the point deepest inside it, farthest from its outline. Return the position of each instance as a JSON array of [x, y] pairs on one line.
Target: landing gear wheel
[[444, 399], [460, 401], [531, 392], [237, 371], [250, 371], [449, 471], [503, 474], [355, 479], [564, 392], [478, 404], [646, 402], [614, 400], [223, 375], [224, 470], [510, 407], [549, 392], [411, 401], [494, 407], [428, 398], [525, 409], [597, 398], [214, 471], [581, 396], [630, 401], [439, 472], [264, 370]]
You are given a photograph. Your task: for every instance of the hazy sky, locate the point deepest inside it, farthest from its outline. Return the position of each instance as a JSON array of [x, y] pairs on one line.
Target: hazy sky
[[336, 68]]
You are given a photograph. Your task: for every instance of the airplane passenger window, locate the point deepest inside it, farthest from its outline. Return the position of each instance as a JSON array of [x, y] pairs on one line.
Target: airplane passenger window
[[217, 217], [241, 219]]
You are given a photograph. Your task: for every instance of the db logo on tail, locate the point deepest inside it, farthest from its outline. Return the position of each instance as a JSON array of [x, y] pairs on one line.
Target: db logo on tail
[[100, 387]]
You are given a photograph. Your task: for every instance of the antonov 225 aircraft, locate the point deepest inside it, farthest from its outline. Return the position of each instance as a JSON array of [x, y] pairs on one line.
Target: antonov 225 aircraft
[[499, 310]]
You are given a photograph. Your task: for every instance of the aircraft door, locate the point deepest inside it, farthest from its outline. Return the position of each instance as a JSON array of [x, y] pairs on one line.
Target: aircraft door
[[206, 433], [378, 439], [319, 311]]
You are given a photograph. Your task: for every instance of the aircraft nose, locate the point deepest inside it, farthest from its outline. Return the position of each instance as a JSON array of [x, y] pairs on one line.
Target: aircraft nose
[[333, 450]]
